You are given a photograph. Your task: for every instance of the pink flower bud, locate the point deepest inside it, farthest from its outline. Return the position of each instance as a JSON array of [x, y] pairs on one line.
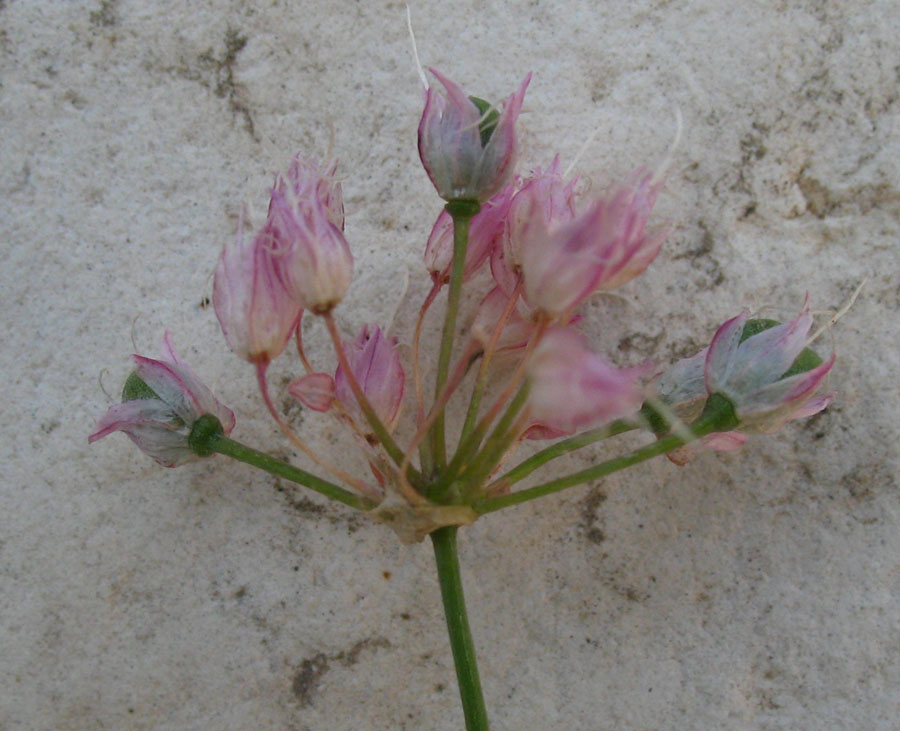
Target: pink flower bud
[[603, 248], [572, 388], [305, 222], [485, 230], [255, 310], [468, 151], [170, 398], [375, 362], [758, 374], [314, 390]]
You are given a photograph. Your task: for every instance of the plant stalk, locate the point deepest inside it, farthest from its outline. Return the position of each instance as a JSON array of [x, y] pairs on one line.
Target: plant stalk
[[718, 415], [462, 212], [243, 453], [447, 560]]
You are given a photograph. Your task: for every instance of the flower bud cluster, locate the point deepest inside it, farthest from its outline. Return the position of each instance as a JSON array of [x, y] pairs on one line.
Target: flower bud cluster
[[299, 260]]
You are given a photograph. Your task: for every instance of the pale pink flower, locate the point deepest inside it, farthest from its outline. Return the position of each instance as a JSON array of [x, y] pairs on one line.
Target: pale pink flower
[[375, 362], [572, 388], [160, 422], [305, 220], [485, 231], [758, 374], [314, 390], [468, 153], [602, 248], [254, 308], [755, 373], [544, 200]]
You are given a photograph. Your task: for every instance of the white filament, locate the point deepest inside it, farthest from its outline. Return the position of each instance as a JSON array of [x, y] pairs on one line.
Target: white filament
[[415, 50]]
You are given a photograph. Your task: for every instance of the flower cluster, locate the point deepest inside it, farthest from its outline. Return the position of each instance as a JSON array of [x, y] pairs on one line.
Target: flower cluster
[[549, 247]]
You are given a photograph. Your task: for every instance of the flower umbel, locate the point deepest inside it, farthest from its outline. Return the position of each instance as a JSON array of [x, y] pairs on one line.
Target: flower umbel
[[529, 370], [161, 402]]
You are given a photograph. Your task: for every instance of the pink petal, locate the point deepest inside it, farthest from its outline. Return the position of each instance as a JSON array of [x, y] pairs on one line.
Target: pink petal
[[315, 391], [720, 357]]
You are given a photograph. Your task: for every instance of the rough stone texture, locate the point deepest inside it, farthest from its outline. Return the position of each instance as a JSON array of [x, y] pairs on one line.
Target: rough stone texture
[[756, 590]]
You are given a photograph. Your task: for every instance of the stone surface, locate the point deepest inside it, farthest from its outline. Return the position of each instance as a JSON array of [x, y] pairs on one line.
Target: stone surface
[[756, 590]]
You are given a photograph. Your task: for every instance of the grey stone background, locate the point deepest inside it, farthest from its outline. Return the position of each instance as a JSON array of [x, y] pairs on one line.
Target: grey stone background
[[756, 590]]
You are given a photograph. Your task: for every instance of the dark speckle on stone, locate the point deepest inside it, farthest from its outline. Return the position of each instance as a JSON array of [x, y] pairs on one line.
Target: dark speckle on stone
[[105, 16], [308, 676]]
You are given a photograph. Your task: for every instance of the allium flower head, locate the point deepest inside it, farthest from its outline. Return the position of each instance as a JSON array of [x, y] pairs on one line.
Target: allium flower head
[[375, 362], [305, 222], [254, 307], [485, 231], [468, 148], [602, 248], [573, 388], [763, 375], [163, 399]]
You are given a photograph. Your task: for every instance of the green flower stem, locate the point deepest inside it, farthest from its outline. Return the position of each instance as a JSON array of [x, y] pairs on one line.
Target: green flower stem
[[501, 439], [717, 416], [539, 459], [462, 212], [220, 444], [468, 450], [445, 555]]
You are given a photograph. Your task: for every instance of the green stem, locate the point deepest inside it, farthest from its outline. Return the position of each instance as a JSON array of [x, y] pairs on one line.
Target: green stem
[[223, 445], [717, 416], [539, 459], [462, 212], [501, 439], [445, 555], [468, 450]]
